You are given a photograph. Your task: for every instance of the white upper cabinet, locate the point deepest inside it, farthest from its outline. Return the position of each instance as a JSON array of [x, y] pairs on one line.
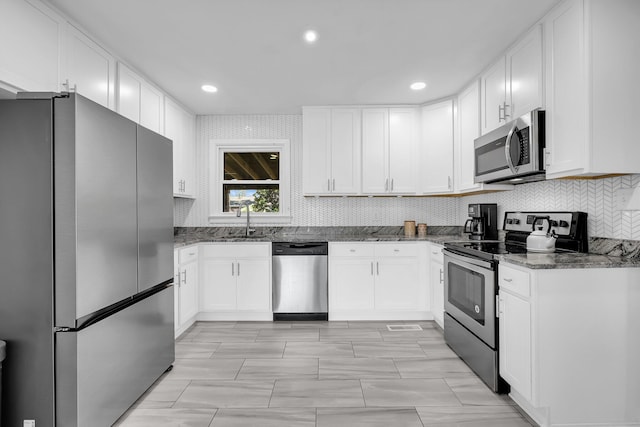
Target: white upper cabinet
[[525, 74], [468, 130], [513, 85], [331, 151], [31, 38], [179, 126], [88, 68], [592, 70], [494, 96], [436, 147], [138, 100], [128, 93], [389, 150]]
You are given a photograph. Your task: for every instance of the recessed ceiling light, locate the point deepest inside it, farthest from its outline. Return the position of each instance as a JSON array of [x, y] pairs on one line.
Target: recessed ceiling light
[[209, 88], [310, 36], [418, 85]]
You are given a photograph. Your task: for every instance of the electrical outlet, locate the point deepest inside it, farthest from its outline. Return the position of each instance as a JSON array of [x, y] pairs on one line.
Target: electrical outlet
[[628, 199], [29, 423]]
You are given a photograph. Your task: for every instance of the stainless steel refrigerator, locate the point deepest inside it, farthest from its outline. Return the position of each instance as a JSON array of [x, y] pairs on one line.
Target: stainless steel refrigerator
[[86, 260]]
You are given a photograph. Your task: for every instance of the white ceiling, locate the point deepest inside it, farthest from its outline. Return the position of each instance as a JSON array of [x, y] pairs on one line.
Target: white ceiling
[[368, 51]]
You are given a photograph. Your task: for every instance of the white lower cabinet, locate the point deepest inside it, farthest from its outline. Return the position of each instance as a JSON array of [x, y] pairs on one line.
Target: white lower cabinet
[[568, 343], [186, 287], [378, 281], [236, 281], [436, 281]]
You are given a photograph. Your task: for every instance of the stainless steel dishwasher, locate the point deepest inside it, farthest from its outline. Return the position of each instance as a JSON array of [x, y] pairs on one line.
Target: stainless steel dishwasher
[[300, 280]]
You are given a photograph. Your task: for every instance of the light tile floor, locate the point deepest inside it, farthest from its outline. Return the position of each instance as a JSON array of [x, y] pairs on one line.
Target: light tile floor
[[318, 374]]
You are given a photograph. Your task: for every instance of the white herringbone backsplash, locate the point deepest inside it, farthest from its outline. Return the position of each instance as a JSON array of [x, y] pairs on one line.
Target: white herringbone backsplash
[[597, 197]]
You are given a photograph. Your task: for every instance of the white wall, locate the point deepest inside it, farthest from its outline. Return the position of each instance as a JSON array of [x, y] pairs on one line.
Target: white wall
[[597, 197]]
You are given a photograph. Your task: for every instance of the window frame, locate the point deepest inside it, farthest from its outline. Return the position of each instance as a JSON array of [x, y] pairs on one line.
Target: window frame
[[217, 148]]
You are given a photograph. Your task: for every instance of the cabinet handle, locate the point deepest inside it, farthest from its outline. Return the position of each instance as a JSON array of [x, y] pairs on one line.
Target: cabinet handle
[[233, 267], [449, 182], [238, 269], [507, 279], [386, 184], [377, 268], [184, 277], [179, 277], [334, 184], [441, 276], [328, 185], [372, 268], [502, 112]]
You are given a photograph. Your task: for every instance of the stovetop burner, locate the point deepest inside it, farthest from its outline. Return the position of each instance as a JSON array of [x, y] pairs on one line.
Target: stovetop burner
[[570, 227]]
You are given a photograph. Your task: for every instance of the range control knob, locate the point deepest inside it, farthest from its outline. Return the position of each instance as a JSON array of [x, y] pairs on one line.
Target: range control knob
[[563, 223]]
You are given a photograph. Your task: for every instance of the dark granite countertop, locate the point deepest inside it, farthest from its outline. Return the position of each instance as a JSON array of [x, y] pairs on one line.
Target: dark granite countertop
[[189, 236], [605, 253], [569, 260]]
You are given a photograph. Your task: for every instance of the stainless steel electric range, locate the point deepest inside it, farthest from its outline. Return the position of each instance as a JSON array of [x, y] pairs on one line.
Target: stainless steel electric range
[[471, 285]]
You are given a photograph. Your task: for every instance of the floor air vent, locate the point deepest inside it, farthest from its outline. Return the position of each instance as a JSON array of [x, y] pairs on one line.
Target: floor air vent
[[402, 328]]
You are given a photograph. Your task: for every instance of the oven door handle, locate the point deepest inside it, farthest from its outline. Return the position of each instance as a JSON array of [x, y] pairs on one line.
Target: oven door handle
[[469, 260]]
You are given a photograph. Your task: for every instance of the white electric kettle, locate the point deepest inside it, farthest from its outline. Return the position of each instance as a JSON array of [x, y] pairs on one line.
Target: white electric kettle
[[540, 240]]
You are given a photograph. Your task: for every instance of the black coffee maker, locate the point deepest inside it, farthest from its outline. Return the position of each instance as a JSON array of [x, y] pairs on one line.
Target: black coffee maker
[[483, 221]]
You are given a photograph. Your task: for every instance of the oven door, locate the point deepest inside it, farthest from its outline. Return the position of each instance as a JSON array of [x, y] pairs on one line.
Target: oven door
[[470, 294]]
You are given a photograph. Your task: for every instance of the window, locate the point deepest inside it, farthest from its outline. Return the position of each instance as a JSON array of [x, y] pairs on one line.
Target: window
[[253, 173]]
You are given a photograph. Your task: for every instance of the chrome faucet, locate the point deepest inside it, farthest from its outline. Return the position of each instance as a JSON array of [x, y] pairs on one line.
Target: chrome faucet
[[249, 230]]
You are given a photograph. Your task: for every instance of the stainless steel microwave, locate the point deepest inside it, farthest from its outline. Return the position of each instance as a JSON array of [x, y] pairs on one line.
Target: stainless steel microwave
[[512, 153]]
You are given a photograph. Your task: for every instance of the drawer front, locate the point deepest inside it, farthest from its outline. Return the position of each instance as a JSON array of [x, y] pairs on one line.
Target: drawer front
[[236, 250], [188, 254], [396, 249], [351, 249], [516, 281]]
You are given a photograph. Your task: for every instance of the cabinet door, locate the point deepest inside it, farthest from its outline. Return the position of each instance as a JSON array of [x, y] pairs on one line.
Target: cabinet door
[[31, 36], [316, 147], [345, 151], [524, 80], [437, 284], [515, 342], [189, 154], [375, 149], [218, 288], [253, 290], [468, 130], [177, 276], [173, 129], [437, 148], [351, 283], [129, 84], [188, 292], [151, 115], [566, 119], [403, 144], [493, 84], [90, 68], [397, 282]]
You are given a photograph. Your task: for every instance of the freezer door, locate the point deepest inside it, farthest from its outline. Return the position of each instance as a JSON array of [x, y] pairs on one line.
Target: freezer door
[[26, 261], [155, 209], [95, 208], [103, 369]]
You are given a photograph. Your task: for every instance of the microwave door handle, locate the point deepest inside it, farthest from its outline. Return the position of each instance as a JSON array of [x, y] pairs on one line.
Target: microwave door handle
[[507, 148]]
